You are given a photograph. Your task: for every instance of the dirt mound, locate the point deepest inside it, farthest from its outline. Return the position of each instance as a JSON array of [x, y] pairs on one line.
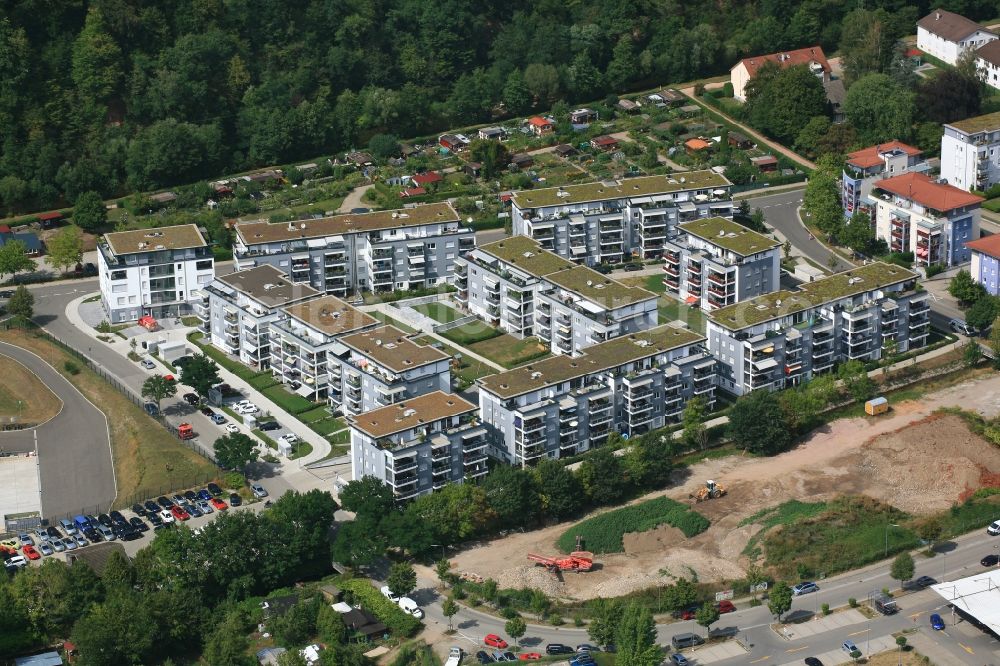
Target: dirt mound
[[652, 541], [538, 578]]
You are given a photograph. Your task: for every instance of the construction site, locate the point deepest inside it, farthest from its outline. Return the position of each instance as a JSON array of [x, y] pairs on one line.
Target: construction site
[[914, 457]]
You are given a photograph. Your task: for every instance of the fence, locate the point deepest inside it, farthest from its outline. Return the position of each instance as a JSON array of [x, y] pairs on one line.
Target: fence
[[441, 328]]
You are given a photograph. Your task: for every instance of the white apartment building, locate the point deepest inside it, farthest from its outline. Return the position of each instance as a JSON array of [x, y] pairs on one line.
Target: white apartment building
[[419, 445], [931, 219], [970, 152], [152, 271], [948, 36], [609, 222], [383, 251], [238, 309], [716, 262]]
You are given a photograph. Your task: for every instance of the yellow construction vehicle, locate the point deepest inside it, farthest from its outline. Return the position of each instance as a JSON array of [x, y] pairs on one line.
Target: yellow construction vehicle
[[712, 490]]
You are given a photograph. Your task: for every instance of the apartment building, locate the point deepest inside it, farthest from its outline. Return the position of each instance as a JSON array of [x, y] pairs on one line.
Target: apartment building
[[517, 286], [304, 336], [716, 262], [237, 310], [985, 266], [948, 36], [970, 152], [609, 222], [383, 251], [419, 445], [930, 218], [811, 57], [562, 406], [382, 366], [152, 271], [785, 338], [866, 166]]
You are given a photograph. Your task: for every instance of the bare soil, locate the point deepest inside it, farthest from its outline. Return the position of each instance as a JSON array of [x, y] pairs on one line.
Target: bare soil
[[916, 460]]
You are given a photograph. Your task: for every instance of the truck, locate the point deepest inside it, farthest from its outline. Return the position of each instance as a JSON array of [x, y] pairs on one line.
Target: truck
[[454, 657], [185, 431], [884, 604]]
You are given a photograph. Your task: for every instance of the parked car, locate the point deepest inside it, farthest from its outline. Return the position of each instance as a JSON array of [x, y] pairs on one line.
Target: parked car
[[268, 426], [849, 647], [246, 409], [214, 489], [166, 516], [258, 490], [232, 428], [805, 588], [587, 647], [146, 363], [30, 552], [289, 438], [93, 536], [207, 411], [155, 520], [678, 659], [994, 528], [558, 648], [218, 419], [69, 543], [191, 398], [963, 327], [495, 641], [138, 509], [151, 507], [25, 539], [410, 606], [53, 532], [924, 581], [15, 563], [139, 524], [235, 499], [813, 661], [179, 513], [990, 560], [686, 613], [218, 504], [106, 533], [164, 502], [45, 549], [725, 606], [483, 658], [686, 640], [530, 656], [936, 622], [80, 541], [204, 507], [117, 517], [387, 593], [194, 510]]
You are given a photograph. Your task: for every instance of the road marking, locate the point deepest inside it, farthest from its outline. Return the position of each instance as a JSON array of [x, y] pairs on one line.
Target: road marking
[[863, 631], [916, 615], [966, 648], [798, 649], [757, 661]]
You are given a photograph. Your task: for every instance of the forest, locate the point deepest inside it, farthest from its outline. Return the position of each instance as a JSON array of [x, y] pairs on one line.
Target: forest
[[122, 95]]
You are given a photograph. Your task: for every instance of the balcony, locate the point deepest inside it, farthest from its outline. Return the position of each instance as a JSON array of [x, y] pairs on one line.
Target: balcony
[[402, 465]]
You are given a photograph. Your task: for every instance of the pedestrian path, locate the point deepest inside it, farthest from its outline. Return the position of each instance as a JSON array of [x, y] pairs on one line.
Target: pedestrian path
[[823, 624], [709, 654]]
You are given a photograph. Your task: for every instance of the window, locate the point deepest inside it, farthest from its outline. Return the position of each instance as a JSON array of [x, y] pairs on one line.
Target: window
[[119, 275], [205, 265]]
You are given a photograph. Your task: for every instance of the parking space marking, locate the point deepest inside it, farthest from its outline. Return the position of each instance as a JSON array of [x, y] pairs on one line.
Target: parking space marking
[[757, 661], [798, 649], [856, 633], [966, 648]]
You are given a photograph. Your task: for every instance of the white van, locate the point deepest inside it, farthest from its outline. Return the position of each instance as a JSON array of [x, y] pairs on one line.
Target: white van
[[410, 606]]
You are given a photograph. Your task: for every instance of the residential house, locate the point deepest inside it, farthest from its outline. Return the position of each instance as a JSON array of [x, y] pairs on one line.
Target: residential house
[[409, 192], [606, 222], [382, 366], [716, 262], [667, 97], [345, 254], [563, 406], [583, 116], [866, 166], [237, 310], [985, 266], [472, 168], [970, 152], [153, 271], [947, 36], [517, 286], [628, 106], [604, 142], [836, 94], [493, 133], [540, 126], [787, 337], [932, 219], [811, 56], [765, 163], [364, 626], [696, 147], [419, 445], [425, 179], [988, 63]]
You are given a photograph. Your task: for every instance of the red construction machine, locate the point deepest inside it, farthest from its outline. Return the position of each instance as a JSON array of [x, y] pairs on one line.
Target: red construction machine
[[578, 560]]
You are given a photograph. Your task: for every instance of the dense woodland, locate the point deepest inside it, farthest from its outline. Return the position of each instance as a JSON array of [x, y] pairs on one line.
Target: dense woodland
[[117, 95]]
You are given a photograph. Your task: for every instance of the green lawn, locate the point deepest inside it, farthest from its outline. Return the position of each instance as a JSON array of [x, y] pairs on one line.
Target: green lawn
[[328, 426], [290, 402], [471, 333], [603, 533], [670, 309], [439, 312], [386, 319], [508, 351], [469, 369], [233, 366]]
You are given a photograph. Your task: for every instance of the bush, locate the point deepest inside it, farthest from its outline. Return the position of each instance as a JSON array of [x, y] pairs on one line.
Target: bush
[[603, 533], [825, 608], [852, 602], [72, 367], [388, 613], [234, 480], [934, 269]]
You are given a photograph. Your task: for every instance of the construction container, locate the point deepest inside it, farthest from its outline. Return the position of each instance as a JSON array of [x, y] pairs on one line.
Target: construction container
[[876, 406]]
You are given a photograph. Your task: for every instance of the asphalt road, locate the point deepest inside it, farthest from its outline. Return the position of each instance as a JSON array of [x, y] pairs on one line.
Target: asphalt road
[[74, 447]]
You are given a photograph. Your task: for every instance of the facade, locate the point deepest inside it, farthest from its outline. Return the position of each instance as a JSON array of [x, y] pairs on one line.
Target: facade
[[929, 218], [716, 262], [787, 337], [382, 251], [970, 152], [985, 266], [811, 56], [153, 271], [563, 406], [237, 311], [988, 63], [517, 286], [606, 222], [303, 337], [947, 36], [419, 445], [865, 166], [380, 367]]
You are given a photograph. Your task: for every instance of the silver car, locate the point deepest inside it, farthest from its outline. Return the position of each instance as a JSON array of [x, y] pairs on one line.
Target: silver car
[[69, 543], [45, 549], [81, 541], [57, 545], [205, 507], [106, 533]]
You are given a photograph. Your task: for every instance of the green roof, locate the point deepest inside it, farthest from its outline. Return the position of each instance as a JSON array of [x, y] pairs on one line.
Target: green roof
[[989, 122], [729, 235], [876, 275], [596, 358], [597, 287], [513, 251], [632, 187]]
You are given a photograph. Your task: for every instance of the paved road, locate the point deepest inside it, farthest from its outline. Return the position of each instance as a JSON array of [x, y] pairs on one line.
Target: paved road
[[74, 447]]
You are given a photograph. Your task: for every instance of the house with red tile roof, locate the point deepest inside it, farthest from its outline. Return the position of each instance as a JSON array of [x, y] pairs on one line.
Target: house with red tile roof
[[931, 219], [540, 125], [811, 56], [864, 167], [425, 179]]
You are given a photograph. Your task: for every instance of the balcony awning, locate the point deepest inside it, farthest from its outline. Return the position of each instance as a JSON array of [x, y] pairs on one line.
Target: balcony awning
[[539, 226], [578, 250], [691, 300], [766, 364], [687, 207], [414, 245], [305, 390], [639, 382], [418, 259], [316, 242], [593, 308], [392, 391]]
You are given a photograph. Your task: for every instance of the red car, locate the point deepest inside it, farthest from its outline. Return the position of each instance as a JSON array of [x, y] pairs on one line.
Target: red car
[[179, 513], [31, 553], [726, 607], [218, 504], [495, 641], [529, 656], [169, 378]]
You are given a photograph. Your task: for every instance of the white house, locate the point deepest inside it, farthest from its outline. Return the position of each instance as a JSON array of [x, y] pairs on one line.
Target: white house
[[811, 56], [988, 63], [947, 36]]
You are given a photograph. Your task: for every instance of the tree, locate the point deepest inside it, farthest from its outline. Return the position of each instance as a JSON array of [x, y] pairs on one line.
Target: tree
[[65, 249], [450, 609], [879, 109], [754, 577], [516, 95], [971, 354], [602, 476], [402, 579], [13, 258], [930, 529], [756, 424], [119, 631], [512, 494], [455, 513], [782, 101], [297, 624], [856, 381], [330, 626], [693, 419], [515, 628], [89, 212], [822, 196], [606, 615], [982, 312], [561, 492], [492, 155], [22, 303], [157, 388], [706, 616], [949, 95], [542, 81], [858, 235], [200, 373], [234, 451], [97, 61], [867, 40], [368, 496], [228, 643], [779, 599], [964, 288], [442, 568], [637, 638], [811, 135], [383, 146], [902, 567]]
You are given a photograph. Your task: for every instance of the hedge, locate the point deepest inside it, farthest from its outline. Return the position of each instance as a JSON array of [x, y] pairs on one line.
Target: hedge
[[391, 615], [290, 402], [604, 533]]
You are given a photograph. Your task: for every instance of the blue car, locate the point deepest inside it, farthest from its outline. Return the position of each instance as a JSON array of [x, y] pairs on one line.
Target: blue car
[[678, 659], [204, 494], [936, 622]]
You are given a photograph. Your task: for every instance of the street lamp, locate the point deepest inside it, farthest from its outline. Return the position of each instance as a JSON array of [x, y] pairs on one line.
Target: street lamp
[[888, 525]]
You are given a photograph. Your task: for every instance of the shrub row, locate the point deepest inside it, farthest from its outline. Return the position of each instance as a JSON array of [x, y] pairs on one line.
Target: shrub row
[[603, 533], [391, 615]]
